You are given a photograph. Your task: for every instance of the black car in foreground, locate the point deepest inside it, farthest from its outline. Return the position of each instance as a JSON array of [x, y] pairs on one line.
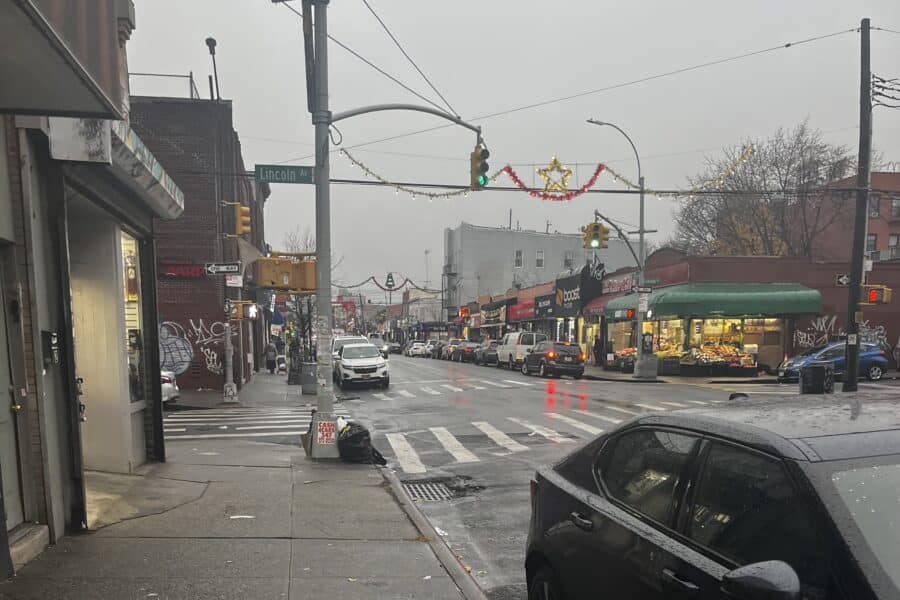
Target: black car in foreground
[[794, 497], [554, 359], [464, 352]]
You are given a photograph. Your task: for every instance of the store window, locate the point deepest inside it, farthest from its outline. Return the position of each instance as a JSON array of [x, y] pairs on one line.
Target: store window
[[518, 263], [669, 338], [568, 259], [134, 342], [871, 242], [539, 259]]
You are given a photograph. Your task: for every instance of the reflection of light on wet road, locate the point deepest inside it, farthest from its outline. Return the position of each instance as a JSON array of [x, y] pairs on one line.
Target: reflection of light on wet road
[[565, 398], [550, 400]]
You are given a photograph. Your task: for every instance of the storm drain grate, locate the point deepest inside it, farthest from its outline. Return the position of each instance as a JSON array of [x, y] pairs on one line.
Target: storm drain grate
[[429, 492]]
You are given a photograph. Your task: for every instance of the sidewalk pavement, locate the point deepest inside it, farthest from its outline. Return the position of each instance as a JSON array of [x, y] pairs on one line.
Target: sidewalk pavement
[[232, 519]]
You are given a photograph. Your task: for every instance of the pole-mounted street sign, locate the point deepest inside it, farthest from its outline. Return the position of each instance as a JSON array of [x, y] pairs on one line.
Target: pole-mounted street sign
[[283, 174], [222, 268], [638, 289], [843, 279]]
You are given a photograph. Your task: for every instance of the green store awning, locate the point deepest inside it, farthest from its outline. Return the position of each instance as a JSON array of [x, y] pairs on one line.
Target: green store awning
[[723, 299]]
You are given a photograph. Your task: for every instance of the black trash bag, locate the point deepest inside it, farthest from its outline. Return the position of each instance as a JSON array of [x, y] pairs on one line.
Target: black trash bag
[[355, 445]]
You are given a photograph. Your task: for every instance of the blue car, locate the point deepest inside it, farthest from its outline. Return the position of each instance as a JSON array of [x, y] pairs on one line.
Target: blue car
[[873, 361]]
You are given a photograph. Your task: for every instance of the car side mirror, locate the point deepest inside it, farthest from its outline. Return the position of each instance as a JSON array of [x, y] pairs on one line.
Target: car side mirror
[[529, 350], [770, 580]]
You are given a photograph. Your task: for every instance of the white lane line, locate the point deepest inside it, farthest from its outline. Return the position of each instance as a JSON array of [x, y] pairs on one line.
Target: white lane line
[[452, 388], [406, 394], [499, 385], [675, 404], [251, 427], [698, 402], [430, 390], [518, 382], [211, 436], [500, 438], [381, 396], [575, 423], [551, 435], [406, 456], [590, 413], [621, 410], [649, 406], [167, 430], [452, 445], [477, 387]]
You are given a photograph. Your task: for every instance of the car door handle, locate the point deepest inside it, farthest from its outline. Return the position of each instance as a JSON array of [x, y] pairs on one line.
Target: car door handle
[[688, 588], [581, 522]]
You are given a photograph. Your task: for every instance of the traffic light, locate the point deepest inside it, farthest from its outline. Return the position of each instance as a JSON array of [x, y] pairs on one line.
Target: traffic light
[[596, 236], [241, 219], [876, 294], [286, 273], [479, 167]]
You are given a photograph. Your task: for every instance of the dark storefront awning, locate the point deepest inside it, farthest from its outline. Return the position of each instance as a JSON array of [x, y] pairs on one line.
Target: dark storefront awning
[[724, 299]]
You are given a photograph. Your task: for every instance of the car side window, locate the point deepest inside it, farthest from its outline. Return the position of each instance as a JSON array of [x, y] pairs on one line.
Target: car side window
[[831, 353], [527, 339], [540, 337], [643, 468], [748, 510], [540, 347]]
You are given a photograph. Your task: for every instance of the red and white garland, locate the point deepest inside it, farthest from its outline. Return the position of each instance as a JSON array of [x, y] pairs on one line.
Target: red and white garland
[[555, 197]]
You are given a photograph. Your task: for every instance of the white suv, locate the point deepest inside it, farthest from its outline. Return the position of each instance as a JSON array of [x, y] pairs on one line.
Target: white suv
[[417, 349], [514, 346], [362, 363]]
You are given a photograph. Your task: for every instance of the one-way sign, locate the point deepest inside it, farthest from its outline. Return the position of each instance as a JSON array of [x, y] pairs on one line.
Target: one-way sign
[[843, 279], [222, 268]]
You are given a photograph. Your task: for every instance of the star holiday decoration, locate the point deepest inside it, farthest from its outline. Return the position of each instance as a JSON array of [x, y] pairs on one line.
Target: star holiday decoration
[[551, 184]]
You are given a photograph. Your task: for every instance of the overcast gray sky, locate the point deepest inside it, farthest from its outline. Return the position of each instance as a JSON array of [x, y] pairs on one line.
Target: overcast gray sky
[[487, 56]]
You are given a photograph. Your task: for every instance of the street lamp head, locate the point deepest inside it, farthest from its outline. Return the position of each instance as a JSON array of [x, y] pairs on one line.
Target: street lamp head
[[596, 122]]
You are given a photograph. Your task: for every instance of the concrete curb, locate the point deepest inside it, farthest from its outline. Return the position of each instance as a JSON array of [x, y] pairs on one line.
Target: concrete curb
[[460, 576], [622, 380]]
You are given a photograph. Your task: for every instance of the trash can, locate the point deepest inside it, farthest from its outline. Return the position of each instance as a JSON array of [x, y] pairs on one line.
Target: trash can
[[308, 378], [817, 378]]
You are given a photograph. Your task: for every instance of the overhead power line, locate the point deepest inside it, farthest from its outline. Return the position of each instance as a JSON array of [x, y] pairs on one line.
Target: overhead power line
[[607, 88], [408, 57]]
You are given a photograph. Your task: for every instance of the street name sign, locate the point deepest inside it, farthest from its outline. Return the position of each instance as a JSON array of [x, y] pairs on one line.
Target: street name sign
[[283, 174], [843, 279], [642, 290], [222, 268]]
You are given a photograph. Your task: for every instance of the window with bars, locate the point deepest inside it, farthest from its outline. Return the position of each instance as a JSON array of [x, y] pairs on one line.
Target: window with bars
[[871, 242], [518, 263], [539, 259]]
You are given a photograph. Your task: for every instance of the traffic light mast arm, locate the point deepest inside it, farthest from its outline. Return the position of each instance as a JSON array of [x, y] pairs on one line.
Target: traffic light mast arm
[[622, 236], [413, 107]]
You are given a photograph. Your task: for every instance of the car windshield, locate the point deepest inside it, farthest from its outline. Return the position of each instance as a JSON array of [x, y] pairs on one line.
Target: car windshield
[[338, 344], [868, 514], [361, 352], [567, 348]]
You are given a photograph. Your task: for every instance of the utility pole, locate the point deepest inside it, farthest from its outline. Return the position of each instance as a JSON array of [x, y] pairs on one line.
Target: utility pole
[[857, 273], [362, 315], [229, 389]]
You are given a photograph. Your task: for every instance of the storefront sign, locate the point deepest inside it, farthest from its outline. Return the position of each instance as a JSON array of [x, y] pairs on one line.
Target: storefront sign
[[475, 321], [592, 277], [544, 306], [182, 271], [325, 432], [616, 285], [493, 316], [523, 311], [568, 296]]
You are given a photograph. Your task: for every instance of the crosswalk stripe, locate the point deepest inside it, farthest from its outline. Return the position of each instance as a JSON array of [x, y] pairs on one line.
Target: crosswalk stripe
[[165, 430], [590, 413], [210, 436], [517, 382], [406, 456], [495, 384], [406, 394], [429, 390], [250, 427], [452, 388], [675, 404], [575, 423], [621, 410], [381, 396], [698, 402], [551, 435], [452, 445], [500, 438], [478, 387], [240, 421], [649, 406]]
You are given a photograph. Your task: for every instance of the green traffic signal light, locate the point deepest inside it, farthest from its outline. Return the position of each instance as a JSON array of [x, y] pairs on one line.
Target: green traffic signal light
[[595, 243], [482, 180]]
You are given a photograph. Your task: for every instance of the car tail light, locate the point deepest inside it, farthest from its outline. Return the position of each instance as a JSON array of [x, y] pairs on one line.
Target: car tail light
[[166, 379], [581, 356], [468, 349], [551, 354]]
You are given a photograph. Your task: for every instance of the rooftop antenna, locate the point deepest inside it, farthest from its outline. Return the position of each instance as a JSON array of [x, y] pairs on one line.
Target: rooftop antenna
[[211, 44]]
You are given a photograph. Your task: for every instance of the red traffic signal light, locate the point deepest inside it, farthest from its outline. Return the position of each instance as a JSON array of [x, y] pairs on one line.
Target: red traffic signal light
[[876, 294]]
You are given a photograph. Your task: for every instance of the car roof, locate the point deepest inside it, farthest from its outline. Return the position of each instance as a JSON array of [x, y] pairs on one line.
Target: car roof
[[361, 345], [805, 427]]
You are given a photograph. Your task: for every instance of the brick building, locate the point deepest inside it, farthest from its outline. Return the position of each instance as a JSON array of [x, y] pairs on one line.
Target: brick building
[[195, 141]]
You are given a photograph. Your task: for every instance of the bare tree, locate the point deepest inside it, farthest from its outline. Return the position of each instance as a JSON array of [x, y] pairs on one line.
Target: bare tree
[[305, 241], [774, 203]]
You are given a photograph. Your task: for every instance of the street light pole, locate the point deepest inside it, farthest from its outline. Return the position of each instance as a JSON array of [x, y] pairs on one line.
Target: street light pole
[[642, 369]]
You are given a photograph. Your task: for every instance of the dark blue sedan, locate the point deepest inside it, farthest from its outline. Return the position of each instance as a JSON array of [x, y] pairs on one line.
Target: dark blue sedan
[[873, 361]]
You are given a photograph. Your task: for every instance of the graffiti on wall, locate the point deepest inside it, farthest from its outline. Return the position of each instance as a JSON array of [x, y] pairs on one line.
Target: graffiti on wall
[[179, 344], [825, 329]]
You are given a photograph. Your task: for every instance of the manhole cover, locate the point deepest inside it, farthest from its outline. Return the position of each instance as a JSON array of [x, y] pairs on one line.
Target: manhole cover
[[431, 492]]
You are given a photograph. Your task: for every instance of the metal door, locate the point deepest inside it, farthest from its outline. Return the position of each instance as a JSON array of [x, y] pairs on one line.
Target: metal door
[[9, 407]]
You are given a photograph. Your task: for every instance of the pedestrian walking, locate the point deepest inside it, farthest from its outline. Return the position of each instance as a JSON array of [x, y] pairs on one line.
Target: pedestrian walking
[[598, 351], [271, 357]]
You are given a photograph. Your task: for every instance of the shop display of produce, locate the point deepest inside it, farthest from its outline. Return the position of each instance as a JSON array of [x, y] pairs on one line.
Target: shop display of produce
[[717, 355]]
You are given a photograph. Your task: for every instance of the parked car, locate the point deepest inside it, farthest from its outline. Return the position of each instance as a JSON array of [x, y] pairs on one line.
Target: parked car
[[395, 348], [338, 342], [379, 343], [169, 386], [429, 347], [791, 497], [486, 353], [464, 352], [447, 349], [436, 348], [362, 363], [417, 349], [874, 361], [554, 358], [514, 346]]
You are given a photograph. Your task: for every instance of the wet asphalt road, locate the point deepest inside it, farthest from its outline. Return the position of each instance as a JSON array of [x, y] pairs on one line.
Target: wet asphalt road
[[483, 431]]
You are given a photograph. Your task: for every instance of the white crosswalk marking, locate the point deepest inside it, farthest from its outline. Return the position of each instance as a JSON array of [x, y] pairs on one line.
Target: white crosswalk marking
[[168, 430], [621, 410], [478, 387], [590, 413], [698, 402], [255, 422], [675, 404], [551, 435], [381, 396], [452, 388], [430, 390], [575, 423], [517, 382], [452, 445], [210, 436], [649, 406], [406, 456], [500, 438], [260, 421], [249, 427], [406, 394], [494, 383]]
